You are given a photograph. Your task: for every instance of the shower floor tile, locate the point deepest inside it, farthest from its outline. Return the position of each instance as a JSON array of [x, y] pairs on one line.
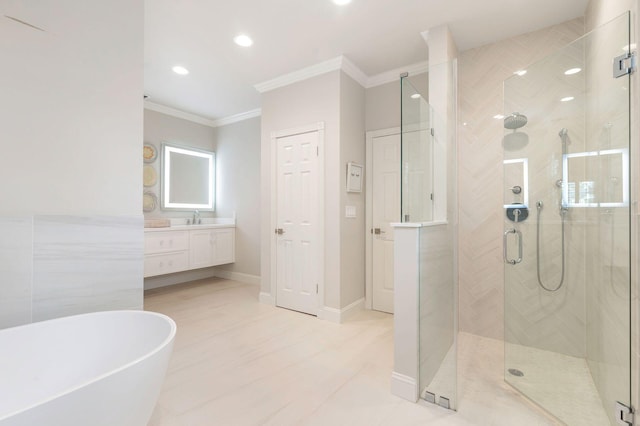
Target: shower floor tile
[[551, 378]]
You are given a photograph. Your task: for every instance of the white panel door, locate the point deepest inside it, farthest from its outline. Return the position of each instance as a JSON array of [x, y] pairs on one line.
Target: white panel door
[[297, 259], [386, 210]]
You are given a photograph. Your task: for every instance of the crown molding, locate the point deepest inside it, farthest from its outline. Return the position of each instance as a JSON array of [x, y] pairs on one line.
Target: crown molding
[[353, 71], [300, 75], [238, 117], [201, 120], [393, 75], [178, 113], [348, 67]]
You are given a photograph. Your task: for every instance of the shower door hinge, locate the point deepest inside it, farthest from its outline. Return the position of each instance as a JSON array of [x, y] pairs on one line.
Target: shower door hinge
[[624, 414], [624, 64], [433, 132], [316, 288]]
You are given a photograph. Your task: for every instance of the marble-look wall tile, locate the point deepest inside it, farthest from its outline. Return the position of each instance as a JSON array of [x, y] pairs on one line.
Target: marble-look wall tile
[[84, 264], [16, 254], [480, 96]]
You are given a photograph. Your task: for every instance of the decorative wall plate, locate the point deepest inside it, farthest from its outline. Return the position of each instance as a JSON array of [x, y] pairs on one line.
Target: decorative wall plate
[[149, 201], [149, 175], [149, 153]]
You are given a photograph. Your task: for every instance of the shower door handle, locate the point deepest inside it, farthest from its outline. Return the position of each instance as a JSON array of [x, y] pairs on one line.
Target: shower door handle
[[506, 242]]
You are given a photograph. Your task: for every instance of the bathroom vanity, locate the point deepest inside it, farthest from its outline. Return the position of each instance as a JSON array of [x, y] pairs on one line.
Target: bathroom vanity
[[184, 247]]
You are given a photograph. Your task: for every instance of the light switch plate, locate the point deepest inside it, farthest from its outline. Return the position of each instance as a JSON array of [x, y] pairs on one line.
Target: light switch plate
[[350, 211]]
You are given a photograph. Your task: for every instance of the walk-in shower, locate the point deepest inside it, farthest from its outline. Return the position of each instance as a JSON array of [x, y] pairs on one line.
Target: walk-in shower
[[567, 298]]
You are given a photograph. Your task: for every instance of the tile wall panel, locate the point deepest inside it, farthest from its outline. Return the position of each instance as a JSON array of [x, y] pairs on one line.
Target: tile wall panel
[[16, 254], [86, 264], [480, 96]]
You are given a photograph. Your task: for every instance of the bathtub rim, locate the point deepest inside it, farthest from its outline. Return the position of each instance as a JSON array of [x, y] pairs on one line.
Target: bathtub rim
[[161, 346]]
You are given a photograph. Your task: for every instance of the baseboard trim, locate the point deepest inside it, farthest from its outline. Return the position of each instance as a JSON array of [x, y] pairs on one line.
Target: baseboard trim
[[237, 276], [267, 299], [341, 315], [404, 387], [177, 278]]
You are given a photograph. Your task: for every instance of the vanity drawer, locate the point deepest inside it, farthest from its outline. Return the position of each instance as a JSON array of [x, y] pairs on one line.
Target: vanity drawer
[[166, 263], [160, 242]]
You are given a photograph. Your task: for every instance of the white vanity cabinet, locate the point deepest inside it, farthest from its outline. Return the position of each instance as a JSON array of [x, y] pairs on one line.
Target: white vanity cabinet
[[210, 247], [169, 250], [165, 252]]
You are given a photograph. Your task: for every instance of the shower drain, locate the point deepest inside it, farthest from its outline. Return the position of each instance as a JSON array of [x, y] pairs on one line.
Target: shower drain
[[515, 372]]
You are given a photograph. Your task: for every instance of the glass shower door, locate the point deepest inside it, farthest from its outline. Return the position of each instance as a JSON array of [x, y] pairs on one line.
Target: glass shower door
[[566, 229]]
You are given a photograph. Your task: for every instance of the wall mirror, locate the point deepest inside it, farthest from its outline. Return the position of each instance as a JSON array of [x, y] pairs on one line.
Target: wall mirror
[[188, 178], [597, 178]]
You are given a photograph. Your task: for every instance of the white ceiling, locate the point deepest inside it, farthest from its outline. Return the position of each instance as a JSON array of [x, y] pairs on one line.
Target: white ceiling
[[376, 35]]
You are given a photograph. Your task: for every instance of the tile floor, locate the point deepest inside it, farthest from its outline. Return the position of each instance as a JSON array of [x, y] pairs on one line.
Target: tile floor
[[551, 378], [239, 362]]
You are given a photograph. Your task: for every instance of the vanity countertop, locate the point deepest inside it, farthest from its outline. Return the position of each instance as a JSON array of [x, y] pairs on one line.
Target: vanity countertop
[[207, 223]]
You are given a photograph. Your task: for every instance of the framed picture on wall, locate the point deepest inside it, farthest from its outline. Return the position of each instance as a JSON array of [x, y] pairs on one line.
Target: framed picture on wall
[[355, 175]]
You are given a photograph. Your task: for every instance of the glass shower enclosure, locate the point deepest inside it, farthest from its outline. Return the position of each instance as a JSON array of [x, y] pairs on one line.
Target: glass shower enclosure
[[567, 229]]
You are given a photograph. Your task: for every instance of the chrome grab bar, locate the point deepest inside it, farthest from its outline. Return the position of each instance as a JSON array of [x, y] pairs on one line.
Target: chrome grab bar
[[504, 246]]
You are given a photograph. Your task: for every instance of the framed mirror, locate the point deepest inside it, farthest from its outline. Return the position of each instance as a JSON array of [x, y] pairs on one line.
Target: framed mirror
[[188, 178]]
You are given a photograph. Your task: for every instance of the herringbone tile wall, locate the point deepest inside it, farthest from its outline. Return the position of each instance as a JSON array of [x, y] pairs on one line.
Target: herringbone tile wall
[[481, 74]]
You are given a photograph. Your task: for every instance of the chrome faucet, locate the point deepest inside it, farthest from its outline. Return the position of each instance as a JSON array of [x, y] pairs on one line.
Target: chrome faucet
[[196, 218]]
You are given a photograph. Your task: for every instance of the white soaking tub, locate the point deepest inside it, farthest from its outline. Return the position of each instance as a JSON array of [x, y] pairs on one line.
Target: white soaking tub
[[97, 369]]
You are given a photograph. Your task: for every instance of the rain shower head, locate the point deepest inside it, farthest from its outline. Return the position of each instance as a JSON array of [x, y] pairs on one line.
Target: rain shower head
[[515, 121], [516, 140]]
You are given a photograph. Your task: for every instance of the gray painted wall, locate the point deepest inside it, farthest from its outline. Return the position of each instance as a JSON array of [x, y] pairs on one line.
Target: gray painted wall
[[352, 230], [238, 191], [383, 102]]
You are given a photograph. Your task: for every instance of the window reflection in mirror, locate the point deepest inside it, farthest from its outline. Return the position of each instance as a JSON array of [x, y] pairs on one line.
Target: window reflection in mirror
[[188, 178]]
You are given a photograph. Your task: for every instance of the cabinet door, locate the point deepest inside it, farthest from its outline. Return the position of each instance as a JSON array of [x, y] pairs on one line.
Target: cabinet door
[[224, 246], [202, 248]]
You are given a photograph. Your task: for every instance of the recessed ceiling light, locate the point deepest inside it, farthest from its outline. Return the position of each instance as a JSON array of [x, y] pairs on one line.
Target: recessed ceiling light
[[520, 72], [567, 99], [498, 116], [243, 40], [341, 2], [415, 96], [180, 70], [572, 71]]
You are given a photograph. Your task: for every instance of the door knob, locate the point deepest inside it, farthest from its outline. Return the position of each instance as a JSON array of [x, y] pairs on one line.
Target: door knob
[[279, 231]]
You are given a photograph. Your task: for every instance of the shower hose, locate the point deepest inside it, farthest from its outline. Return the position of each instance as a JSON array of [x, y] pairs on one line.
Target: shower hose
[[563, 213]]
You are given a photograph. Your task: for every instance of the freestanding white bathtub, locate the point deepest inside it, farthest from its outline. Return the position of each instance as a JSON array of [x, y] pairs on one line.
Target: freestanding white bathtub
[[98, 369]]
